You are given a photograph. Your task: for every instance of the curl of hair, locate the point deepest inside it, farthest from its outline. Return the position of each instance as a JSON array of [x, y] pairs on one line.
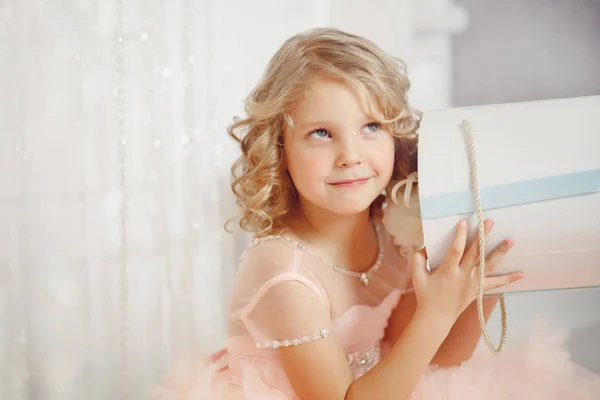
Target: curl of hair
[[264, 191]]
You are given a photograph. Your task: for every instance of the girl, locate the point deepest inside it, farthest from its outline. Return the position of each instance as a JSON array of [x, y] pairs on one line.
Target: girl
[[327, 129]]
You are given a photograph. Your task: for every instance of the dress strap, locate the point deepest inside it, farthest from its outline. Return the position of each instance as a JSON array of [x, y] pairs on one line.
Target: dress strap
[[258, 241]]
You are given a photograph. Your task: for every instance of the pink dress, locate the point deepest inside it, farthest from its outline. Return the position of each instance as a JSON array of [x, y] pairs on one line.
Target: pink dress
[[287, 295]]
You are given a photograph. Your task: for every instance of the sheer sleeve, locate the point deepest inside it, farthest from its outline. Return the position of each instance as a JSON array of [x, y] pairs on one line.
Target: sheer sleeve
[[396, 271], [403, 272], [288, 310]]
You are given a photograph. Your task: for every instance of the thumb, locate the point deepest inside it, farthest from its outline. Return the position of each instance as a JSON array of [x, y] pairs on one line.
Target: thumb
[[418, 264]]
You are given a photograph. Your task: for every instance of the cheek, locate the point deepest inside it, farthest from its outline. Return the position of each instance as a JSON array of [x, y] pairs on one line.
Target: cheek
[[307, 169], [390, 160], [384, 162]]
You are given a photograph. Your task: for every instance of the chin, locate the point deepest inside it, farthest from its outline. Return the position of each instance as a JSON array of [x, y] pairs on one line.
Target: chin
[[349, 207]]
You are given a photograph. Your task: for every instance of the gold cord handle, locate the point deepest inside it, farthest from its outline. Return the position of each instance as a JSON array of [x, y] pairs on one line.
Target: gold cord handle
[[496, 350]]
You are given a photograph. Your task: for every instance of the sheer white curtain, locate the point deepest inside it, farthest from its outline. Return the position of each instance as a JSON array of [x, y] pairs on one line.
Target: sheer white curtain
[[112, 116], [114, 176]]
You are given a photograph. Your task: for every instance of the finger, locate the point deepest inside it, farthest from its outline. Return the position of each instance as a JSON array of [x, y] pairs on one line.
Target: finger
[[471, 257], [457, 248], [498, 255], [495, 282], [419, 266]]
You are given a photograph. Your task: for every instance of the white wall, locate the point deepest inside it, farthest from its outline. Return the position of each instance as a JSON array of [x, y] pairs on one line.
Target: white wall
[[517, 50]]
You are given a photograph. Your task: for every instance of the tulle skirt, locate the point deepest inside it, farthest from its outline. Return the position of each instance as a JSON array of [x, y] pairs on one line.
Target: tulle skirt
[[539, 369]]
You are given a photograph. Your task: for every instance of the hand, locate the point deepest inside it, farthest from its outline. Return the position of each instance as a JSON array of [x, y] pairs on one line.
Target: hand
[[448, 290]]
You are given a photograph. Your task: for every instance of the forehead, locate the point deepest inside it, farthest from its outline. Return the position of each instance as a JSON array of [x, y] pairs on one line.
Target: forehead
[[332, 99]]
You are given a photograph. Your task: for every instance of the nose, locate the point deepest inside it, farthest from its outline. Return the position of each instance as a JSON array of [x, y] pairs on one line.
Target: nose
[[349, 154]]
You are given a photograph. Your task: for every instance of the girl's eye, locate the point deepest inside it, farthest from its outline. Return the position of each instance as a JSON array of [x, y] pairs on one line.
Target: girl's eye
[[319, 134], [371, 127]]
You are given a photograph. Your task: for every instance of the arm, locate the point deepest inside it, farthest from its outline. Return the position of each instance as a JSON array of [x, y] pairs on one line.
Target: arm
[[464, 336], [460, 343], [398, 374], [318, 370]]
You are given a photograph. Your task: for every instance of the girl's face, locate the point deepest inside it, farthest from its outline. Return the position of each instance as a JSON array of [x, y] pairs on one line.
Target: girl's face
[[338, 157]]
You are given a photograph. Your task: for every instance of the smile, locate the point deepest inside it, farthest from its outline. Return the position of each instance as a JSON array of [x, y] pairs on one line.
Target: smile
[[350, 182]]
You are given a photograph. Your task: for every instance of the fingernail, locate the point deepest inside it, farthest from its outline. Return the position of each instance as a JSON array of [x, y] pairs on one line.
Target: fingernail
[[462, 224], [509, 243], [519, 276]]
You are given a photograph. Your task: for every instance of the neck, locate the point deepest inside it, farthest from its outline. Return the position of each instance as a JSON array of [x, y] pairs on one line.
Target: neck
[[317, 225]]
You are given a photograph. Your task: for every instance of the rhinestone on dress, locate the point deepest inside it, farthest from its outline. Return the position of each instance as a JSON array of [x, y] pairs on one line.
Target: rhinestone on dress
[[360, 362], [294, 342], [364, 279]]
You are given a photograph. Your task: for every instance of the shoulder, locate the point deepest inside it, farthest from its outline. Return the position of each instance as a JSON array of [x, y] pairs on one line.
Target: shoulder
[[266, 257], [269, 262], [275, 297]]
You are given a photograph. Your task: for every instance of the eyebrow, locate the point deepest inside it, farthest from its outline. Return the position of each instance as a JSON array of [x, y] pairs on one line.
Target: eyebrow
[[312, 124]]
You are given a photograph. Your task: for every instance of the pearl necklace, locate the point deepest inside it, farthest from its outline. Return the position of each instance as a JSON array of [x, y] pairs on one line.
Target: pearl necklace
[[364, 277]]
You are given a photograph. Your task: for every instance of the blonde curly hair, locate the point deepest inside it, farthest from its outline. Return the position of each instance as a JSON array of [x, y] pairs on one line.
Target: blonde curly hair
[[264, 190]]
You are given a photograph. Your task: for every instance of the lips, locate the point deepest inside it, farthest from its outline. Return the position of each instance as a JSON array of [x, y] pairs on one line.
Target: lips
[[349, 182]]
